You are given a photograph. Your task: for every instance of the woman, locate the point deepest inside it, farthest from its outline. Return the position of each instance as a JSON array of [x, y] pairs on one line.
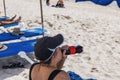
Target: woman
[[9, 21], [51, 59]]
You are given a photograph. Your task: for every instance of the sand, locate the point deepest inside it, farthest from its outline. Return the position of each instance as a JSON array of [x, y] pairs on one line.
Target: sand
[[95, 27]]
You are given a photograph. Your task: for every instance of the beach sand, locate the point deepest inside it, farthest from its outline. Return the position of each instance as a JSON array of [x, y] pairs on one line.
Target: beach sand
[[95, 27]]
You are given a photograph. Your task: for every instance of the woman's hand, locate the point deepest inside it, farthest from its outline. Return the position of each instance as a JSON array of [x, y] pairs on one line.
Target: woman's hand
[[65, 47], [0, 12]]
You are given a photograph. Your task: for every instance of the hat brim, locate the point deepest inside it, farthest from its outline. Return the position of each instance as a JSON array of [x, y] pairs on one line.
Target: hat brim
[[55, 41]]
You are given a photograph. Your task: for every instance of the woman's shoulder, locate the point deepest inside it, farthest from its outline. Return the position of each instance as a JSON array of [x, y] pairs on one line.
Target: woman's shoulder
[[34, 64], [31, 69], [62, 76]]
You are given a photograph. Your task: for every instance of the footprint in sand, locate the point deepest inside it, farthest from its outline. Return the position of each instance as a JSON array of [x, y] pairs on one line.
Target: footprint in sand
[[94, 70]]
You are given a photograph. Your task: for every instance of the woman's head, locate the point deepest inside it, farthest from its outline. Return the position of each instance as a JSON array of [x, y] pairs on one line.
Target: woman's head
[[47, 47]]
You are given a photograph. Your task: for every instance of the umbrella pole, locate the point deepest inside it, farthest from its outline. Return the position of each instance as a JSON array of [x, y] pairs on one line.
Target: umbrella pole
[[41, 10], [4, 7]]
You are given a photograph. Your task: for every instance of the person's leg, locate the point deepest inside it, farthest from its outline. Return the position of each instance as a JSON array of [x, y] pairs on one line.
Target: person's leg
[[60, 2], [10, 19], [0, 12]]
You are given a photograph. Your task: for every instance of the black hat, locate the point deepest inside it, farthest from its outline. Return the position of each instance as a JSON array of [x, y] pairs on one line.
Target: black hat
[[44, 46]]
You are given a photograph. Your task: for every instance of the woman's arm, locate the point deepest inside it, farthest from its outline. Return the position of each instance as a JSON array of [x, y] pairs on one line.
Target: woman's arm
[[60, 64]]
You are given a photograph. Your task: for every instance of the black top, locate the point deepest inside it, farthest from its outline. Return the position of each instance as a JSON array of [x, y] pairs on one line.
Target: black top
[[52, 75]]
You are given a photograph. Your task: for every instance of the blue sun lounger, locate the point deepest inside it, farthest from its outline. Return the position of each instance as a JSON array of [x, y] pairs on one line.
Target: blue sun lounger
[[14, 48], [10, 25], [26, 33]]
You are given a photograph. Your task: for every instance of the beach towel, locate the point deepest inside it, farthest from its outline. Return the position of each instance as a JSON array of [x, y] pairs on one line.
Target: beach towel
[[26, 33], [74, 76], [14, 48]]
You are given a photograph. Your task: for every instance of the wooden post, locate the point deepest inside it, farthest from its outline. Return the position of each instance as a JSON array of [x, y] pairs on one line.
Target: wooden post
[[4, 8], [41, 11]]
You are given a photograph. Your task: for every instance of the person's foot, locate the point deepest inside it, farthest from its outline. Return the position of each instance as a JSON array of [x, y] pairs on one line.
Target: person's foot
[[17, 20], [11, 19]]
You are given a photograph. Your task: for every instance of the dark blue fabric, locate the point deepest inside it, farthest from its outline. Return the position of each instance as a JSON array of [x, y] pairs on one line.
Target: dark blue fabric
[[118, 3], [81, 0], [27, 33], [95, 1], [74, 76], [14, 48], [102, 2]]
